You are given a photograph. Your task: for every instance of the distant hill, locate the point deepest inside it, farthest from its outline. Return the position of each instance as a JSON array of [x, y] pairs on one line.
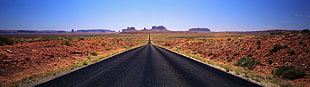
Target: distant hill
[[199, 30], [94, 30], [31, 31]]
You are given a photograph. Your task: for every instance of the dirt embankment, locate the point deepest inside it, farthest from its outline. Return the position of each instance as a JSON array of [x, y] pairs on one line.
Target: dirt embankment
[[294, 50], [36, 59]]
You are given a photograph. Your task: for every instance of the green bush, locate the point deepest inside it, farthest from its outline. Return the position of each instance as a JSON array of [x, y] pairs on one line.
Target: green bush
[[94, 53], [291, 52], [103, 44], [229, 39], [303, 44], [107, 49], [249, 63], [289, 72], [85, 63], [67, 43], [81, 38], [258, 42], [188, 52], [229, 59], [208, 44], [88, 57], [276, 48]]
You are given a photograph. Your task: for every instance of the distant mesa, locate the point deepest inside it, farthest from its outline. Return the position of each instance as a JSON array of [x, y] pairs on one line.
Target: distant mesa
[[154, 28], [94, 31], [199, 30], [159, 28], [129, 29]]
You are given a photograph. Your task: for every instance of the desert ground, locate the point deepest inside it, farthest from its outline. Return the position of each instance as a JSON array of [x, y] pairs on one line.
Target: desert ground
[[272, 57], [34, 56], [269, 53]]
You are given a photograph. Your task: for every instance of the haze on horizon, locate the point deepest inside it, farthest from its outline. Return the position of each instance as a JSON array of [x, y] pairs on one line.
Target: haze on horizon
[[176, 15]]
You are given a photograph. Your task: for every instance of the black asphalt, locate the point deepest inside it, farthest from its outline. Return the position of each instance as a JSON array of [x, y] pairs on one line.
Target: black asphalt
[[148, 66]]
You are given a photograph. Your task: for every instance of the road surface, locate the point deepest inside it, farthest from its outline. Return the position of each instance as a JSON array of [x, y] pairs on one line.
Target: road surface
[[148, 66]]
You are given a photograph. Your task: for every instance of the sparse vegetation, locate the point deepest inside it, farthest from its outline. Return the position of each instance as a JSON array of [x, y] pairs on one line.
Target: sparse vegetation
[[6, 41], [276, 48], [305, 31], [229, 59], [194, 52], [81, 38], [228, 39], [208, 44], [249, 63], [67, 43], [112, 44], [88, 57], [289, 72], [94, 53], [103, 44], [85, 63], [303, 44], [291, 52], [258, 42]]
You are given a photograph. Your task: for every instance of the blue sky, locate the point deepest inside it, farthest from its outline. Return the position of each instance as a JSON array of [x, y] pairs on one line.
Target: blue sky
[[177, 15]]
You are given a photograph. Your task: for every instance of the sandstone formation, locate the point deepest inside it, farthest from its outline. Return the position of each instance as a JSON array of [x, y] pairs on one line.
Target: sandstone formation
[[129, 29], [159, 28]]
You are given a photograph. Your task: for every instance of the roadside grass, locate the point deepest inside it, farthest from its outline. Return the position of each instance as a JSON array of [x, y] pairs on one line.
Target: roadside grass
[[85, 63]]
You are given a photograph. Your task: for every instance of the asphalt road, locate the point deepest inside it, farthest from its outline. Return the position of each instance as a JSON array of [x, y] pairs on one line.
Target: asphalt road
[[148, 66]]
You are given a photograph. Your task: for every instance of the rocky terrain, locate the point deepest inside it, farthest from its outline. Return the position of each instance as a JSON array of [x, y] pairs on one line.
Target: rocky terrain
[[272, 50]]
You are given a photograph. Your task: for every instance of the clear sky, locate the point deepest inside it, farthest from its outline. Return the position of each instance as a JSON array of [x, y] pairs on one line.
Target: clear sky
[[177, 15]]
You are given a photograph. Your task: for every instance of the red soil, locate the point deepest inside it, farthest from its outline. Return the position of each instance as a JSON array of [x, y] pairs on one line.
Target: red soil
[[21, 61], [221, 49]]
